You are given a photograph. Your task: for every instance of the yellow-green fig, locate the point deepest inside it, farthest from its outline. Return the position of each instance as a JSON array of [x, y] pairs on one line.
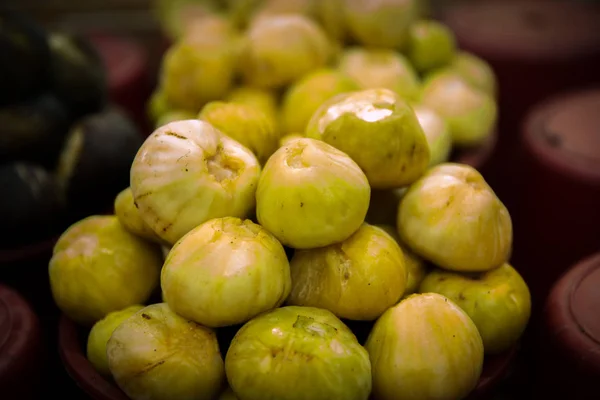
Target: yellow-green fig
[[271, 8], [330, 16], [453, 218], [415, 266], [381, 68], [356, 279], [198, 69], [470, 113], [311, 195], [129, 216], [98, 267], [425, 347], [437, 134], [188, 172], [382, 23], [297, 353], [263, 99], [277, 50], [224, 272], [101, 333], [475, 71], [173, 116], [289, 138], [379, 130], [431, 45], [304, 97], [246, 124], [158, 355], [498, 302]]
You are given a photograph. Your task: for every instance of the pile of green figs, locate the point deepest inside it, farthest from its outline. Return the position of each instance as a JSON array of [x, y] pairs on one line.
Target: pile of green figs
[[249, 257]]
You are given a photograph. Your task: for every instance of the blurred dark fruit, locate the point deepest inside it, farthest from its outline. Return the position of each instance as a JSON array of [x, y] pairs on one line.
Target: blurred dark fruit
[[95, 161], [32, 209], [24, 49], [33, 130], [78, 74]]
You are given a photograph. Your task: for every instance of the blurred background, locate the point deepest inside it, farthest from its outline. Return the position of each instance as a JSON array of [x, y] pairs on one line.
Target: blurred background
[[77, 110]]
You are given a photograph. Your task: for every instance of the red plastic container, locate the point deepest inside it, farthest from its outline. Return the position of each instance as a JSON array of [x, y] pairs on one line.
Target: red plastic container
[[129, 79], [21, 350], [569, 357], [72, 342], [560, 190], [537, 49]]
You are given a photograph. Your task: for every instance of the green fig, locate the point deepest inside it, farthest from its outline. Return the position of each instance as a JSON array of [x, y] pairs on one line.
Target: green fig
[[431, 45]]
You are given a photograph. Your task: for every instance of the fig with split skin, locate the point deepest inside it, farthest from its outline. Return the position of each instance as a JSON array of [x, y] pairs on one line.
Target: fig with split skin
[[158, 355], [305, 96], [381, 68], [453, 218], [425, 347], [246, 124], [129, 216], [188, 172], [357, 279], [101, 333], [279, 49], [379, 130], [297, 353], [311, 195], [225, 272], [498, 301], [97, 267]]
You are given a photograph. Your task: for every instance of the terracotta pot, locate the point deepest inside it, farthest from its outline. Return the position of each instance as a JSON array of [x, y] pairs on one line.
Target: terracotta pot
[[560, 222], [569, 354], [21, 351], [129, 80], [72, 342], [537, 49]]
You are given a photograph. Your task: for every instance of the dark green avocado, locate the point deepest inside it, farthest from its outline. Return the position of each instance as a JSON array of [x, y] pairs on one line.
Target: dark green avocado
[[31, 206], [33, 130], [24, 57], [78, 76], [95, 161]]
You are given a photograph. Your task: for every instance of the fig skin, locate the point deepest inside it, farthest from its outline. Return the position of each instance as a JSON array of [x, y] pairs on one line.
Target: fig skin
[[383, 24], [263, 99], [379, 130], [158, 355], [297, 353], [475, 71], [311, 195], [425, 347], [197, 69], [225, 272], [498, 302], [305, 96], [381, 68], [279, 49], [453, 218], [98, 267], [470, 113], [357, 279], [188, 172], [245, 124], [431, 45], [415, 265], [129, 216], [101, 333], [437, 134]]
